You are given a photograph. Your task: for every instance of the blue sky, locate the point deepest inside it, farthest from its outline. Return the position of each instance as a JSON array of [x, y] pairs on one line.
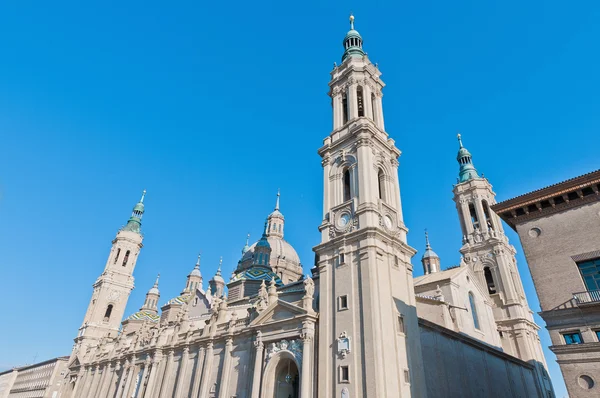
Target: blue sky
[[213, 107]]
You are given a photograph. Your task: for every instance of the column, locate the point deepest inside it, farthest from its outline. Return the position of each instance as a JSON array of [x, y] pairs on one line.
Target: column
[[153, 375], [338, 115], [258, 361], [182, 371], [123, 379], [80, 383], [130, 376], [198, 375], [101, 391], [367, 101], [364, 169], [113, 380], [204, 385], [466, 213], [167, 375], [224, 387], [379, 106], [480, 214], [308, 333], [352, 104], [94, 383], [326, 186]]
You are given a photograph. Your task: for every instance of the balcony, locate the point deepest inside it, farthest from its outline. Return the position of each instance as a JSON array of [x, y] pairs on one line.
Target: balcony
[[588, 297]]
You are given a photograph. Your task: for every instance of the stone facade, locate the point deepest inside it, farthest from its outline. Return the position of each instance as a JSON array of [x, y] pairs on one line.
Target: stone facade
[[359, 326], [41, 380], [559, 228]]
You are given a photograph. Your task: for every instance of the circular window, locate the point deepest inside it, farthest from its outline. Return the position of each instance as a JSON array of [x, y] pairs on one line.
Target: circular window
[[585, 382], [535, 232]]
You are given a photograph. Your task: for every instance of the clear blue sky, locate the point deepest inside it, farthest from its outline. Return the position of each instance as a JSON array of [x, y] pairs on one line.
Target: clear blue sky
[[213, 107]]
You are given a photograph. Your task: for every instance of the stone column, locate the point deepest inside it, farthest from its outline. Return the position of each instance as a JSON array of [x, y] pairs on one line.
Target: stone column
[[258, 361], [198, 375], [182, 371], [114, 379], [224, 387], [123, 379], [367, 101], [204, 385], [153, 375], [352, 104], [378, 103], [338, 111], [130, 376], [101, 391], [467, 217], [143, 384], [327, 194], [308, 333], [81, 383], [167, 375], [480, 214], [94, 382]]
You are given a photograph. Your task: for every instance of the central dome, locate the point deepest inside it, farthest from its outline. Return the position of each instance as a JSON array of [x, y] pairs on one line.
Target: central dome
[[281, 250]]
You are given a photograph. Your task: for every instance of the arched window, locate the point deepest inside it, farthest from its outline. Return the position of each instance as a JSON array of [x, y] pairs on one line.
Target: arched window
[[473, 214], [126, 258], [360, 102], [108, 312], [473, 310], [117, 256], [486, 212], [381, 179], [347, 185], [260, 258], [345, 108], [489, 280]]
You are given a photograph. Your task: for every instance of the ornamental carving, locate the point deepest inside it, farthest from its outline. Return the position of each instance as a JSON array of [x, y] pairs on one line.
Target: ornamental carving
[[114, 295], [343, 345], [294, 347]]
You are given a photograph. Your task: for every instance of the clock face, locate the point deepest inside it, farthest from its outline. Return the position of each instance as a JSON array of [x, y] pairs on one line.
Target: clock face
[[388, 222], [344, 220]]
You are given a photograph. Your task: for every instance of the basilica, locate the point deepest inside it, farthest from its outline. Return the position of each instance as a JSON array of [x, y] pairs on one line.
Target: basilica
[[360, 325]]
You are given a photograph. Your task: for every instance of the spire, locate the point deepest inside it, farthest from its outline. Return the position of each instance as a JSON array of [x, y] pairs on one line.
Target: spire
[[277, 203], [134, 223], [430, 260], [151, 302], [196, 270], [246, 246], [427, 245], [156, 283], [352, 42], [428, 250], [467, 170]]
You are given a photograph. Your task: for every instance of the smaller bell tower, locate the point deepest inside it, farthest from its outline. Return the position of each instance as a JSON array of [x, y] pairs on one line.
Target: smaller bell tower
[[113, 287]]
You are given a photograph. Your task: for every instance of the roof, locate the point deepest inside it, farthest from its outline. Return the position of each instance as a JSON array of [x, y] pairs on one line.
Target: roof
[[547, 200], [144, 316], [438, 276], [257, 274], [184, 298]]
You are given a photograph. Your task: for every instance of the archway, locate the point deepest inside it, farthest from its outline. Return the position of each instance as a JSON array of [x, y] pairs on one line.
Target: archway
[[282, 376]]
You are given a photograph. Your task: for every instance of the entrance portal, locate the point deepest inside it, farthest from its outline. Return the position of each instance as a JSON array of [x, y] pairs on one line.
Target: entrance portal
[[286, 380]]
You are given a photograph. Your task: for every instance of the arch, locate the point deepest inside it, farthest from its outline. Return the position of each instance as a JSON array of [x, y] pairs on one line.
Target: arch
[[347, 185], [344, 108], [489, 279], [474, 310], [381, 180], [108, 313], [486, 212], [126, 258], [271, 371], [473, 214], [117, 256], [360, 101]]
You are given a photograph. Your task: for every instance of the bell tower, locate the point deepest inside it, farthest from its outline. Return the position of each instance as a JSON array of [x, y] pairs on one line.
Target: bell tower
[[113, 286], [368, 329], [492, 258]]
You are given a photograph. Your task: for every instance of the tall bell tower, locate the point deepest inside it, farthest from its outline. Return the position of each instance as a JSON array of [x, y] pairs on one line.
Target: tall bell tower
[[368, 330], [112, 288], [492, 258]]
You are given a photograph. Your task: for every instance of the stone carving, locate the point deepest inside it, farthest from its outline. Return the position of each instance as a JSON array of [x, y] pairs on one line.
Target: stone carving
[[114, 295], [309, 287], [345, 393], [263, 297], [293, 346], [343, 345]]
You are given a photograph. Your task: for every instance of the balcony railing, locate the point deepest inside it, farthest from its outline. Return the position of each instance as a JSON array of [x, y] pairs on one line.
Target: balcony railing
[[591, 296]]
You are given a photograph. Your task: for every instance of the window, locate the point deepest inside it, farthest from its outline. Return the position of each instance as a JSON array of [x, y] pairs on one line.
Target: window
[[573, 338], [342, 303], [473, 310], [473, 214], [360, 101], [346, 185], [381, 179], [486, 213], [597, 334], [396, 261], [126, 258], [108, 312], [489, 280], [400, 324], [342, 259], [590, 272], [117, 256], [260, 258], [345, 108], [406, 376], [344, 374]]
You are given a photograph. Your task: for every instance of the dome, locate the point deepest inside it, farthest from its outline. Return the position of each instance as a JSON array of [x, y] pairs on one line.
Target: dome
[[280, 249], [257, 274], [154, 290], [195, 272], [462, 152], [429, 253]]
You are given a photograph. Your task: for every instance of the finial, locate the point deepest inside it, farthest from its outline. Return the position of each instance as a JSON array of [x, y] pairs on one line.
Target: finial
[[265, 230], [157, 278], [459, 140], [427, 245], [143, 195], [220, 263], [351, 21], [247, 238], [277, 203], [273, 281], [198, 261]]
